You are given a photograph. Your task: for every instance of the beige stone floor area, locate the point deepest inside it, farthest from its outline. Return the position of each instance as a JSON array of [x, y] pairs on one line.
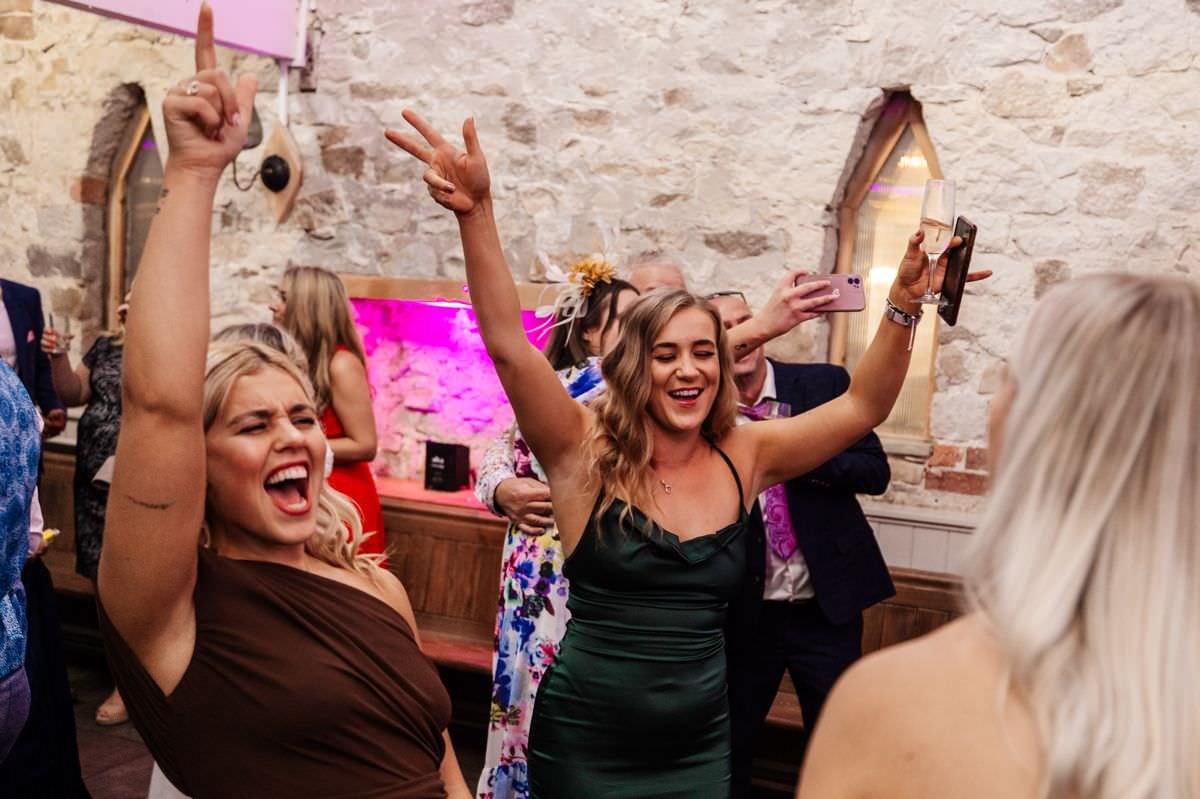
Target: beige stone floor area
[[116, 764]]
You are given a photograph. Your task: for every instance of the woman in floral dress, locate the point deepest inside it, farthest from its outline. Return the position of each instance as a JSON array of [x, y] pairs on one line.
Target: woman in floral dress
[[532, 615]]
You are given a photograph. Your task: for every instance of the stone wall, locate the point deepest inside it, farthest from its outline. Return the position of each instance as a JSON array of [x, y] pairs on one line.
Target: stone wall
[[719, 129]]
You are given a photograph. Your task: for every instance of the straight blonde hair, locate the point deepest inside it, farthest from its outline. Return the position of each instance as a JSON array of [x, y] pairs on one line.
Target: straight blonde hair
[[317, 314], [1087, 559], [621, 444], [339, 530]]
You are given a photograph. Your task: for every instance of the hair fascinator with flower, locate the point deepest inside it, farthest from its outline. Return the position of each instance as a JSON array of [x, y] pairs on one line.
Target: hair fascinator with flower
[[577, 285]]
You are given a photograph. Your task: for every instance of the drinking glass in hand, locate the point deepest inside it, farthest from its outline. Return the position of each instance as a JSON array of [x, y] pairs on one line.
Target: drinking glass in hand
[[62, 338], [937, 223]]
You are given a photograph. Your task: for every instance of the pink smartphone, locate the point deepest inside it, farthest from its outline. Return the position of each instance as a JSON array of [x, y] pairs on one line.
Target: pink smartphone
[[850, 289]]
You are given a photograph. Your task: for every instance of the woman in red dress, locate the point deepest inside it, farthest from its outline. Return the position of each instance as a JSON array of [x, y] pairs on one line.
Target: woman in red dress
[[313, 307]]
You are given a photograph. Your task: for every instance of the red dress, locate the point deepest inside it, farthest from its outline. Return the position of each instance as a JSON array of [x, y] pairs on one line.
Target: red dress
[[356, 482]]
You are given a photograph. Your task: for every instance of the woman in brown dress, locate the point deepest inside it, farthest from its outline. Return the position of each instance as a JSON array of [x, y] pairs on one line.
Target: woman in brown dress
[[259, 654]]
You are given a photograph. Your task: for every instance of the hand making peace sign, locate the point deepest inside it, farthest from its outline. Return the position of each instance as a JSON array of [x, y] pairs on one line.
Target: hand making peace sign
[[205, 116], [458, 181]]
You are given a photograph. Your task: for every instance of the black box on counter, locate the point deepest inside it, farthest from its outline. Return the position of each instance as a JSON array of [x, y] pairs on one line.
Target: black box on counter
[[447, 466]]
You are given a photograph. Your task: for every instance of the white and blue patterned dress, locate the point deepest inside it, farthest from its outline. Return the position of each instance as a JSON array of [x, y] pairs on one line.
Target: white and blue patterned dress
[[20, 453], [532, 615]]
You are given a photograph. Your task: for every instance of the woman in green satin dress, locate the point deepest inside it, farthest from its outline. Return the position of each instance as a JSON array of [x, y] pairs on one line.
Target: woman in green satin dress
[[650, 487]]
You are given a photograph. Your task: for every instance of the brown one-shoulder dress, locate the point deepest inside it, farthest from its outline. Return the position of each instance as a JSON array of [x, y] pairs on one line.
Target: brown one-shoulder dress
[[298, 686]]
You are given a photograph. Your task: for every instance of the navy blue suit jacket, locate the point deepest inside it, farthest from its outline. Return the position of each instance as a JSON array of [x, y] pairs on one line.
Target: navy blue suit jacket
[[847, 569], [24, 307]]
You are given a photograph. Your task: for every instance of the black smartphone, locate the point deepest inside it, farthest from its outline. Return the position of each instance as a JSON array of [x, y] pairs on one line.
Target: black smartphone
[[957, 264]]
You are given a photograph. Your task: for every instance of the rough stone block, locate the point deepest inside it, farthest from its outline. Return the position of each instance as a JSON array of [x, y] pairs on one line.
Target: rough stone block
[[12, 151], [977, 459], [344, 160], [737, 243], [992, 378], [971, 483], [1109, 190], [16, 6], [89, 190], [519, 124], [1069, 54], [318, 210], [1085, 10], [944, 455], [487, 12], [593, 118], [43, 263], [1020, 96], [16, 26], [1047, 274]]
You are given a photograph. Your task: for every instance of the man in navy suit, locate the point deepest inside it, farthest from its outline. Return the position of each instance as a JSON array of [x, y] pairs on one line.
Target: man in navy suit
[[813, 565], [21, 347]]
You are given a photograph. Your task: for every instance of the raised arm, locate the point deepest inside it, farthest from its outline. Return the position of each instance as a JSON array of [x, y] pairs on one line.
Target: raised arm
[[861, 469], [788, 306], [788, 448], [552, 423], [156, 502]]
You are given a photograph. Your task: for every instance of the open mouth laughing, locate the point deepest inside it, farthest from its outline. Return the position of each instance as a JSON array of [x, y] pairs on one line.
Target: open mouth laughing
[[288, 488]]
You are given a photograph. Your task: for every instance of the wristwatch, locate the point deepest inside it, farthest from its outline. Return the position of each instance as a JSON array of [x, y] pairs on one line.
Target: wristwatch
[[904, 319]]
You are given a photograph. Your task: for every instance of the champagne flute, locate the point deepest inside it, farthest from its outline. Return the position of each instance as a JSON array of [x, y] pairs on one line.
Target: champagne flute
[[63, 339], [937, 223]]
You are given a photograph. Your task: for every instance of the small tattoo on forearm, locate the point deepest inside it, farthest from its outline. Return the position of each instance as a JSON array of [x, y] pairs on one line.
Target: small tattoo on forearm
[[162, 199], [148, 505]]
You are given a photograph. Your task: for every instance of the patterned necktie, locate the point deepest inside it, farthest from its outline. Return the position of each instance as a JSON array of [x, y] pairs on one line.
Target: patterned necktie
[[776, 519]]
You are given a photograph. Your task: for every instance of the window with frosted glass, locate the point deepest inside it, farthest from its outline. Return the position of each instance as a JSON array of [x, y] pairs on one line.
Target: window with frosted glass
[[887, 215]]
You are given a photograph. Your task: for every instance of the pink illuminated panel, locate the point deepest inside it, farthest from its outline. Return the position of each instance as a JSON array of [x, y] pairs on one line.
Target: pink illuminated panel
[[267, 27], [431, 379]]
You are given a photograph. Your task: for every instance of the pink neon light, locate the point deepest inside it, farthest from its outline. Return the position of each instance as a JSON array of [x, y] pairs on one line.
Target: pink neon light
[[431, 379], [266, 27]]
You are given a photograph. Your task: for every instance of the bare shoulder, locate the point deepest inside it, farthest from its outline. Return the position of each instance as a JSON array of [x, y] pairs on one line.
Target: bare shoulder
[[393, 593], [935, 665], [345, 365], [924, 712]]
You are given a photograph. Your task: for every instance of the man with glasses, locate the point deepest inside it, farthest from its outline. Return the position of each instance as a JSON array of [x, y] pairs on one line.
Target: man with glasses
[[814, 564]]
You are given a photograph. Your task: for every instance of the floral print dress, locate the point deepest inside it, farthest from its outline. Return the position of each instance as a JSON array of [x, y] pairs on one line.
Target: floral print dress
[[532, 616]]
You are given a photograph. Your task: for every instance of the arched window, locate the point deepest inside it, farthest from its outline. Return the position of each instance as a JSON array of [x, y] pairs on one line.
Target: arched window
[[880, 209], [136, 184]]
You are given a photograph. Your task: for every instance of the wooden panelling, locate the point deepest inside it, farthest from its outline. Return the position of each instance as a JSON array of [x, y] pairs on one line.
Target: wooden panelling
[[58, 507]]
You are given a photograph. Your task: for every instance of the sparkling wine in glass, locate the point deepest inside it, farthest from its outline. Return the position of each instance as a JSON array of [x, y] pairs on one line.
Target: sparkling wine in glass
[[63, 342], [937, 223]]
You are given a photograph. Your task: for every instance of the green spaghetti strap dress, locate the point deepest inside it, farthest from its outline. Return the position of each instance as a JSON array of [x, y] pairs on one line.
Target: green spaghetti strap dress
[[634, 704]]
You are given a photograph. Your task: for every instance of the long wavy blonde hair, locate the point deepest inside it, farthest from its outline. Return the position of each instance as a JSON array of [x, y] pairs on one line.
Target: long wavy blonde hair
[[317, 314], [338, 530], [621, 444], [1087, 560]]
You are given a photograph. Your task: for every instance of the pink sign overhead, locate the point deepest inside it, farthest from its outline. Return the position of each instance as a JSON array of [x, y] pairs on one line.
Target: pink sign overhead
[[266, 27]]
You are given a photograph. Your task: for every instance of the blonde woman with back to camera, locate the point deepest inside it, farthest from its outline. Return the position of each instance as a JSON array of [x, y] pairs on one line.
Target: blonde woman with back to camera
[[1073, 676]]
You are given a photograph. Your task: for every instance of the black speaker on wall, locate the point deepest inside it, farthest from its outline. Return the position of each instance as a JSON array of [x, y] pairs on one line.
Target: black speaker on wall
[[447, 466]]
